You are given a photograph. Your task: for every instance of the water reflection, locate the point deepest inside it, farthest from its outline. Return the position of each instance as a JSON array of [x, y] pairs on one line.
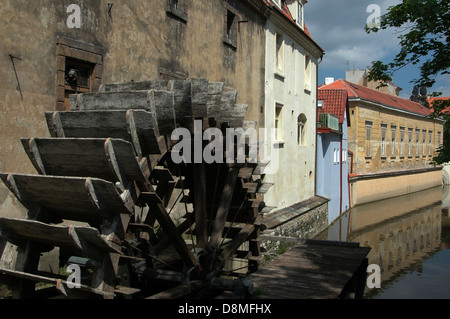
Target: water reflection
[[409, 237]]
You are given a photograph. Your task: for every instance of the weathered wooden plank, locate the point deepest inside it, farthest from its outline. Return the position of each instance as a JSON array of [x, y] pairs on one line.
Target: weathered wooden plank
[[92, 124], [200, 204], [234, 116], [134, 86], [86, 240], [144, 131], [264, 187], [246, 172], [237, 241], [182, 102], [123, 161], [74, 198], [50, 124], [199, 97], [224, 206], [70, 157], [162, 102], [106, 197], [112, 101]]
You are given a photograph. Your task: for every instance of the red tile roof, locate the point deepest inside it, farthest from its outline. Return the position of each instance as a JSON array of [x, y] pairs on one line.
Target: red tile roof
[[334, 102], [356, 91], [433, 99]]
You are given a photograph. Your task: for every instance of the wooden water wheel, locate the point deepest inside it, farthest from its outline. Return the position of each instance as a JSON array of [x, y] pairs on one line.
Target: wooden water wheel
[[110, 198]]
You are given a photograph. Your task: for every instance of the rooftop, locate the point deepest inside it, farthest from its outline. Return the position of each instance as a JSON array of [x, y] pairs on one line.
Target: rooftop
[[359, 92], [334, 102], [284, 10]]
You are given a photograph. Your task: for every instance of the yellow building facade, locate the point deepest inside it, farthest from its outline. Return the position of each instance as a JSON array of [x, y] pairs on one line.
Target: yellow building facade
[[391, 142], [384, 140]]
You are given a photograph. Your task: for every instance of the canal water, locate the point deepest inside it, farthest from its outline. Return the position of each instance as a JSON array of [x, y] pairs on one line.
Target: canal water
[[409, 238]]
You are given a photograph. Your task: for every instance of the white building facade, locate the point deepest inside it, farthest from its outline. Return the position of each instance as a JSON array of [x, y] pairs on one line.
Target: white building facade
[[292, 59]]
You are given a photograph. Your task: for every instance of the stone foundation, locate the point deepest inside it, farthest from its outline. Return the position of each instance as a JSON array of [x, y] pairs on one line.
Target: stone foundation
[[303, 220]]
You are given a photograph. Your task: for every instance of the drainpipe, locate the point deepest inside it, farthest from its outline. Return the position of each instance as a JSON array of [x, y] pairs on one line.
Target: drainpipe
[[348, 176], [340, 184]]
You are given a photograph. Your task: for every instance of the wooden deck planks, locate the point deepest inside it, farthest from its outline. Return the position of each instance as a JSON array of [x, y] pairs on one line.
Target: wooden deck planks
[[319, 271]]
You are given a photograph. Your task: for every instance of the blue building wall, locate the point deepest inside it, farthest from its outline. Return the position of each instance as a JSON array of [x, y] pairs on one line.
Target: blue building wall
[[330, 155]]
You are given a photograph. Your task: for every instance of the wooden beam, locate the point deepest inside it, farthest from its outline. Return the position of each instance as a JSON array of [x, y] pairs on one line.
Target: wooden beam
[[224, 207], [228, 252], [175, 237], [200, 205]]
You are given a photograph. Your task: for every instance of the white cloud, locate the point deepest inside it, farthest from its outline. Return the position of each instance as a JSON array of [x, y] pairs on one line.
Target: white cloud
[[338, 27]]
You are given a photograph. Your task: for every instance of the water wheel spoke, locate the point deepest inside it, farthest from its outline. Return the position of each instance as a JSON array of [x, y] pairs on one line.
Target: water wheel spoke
[[171, 231], [200, 206], [234, 245], [224, 207]]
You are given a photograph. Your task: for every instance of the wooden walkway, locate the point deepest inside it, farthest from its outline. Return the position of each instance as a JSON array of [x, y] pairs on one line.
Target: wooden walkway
[[314, 269]]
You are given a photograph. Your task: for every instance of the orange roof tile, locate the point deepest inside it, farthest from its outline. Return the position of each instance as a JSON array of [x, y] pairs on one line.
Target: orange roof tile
[[334, 102], [356, 91]]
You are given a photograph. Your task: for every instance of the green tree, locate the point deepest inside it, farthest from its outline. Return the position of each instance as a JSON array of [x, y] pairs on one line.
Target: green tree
[[424, 31]]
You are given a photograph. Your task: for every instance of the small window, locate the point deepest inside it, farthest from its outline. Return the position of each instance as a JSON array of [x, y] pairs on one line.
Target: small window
[[279, 127], [383, 139], [424, 142], [300, 14], [231, 28], [410, 141], [368, 139], [336, 154], [430, 141], [307, 73], [393, 138], [402, 141], [301, 129], [417, 141], [78, 75], [279, 54], [177, 8], [79, 70]]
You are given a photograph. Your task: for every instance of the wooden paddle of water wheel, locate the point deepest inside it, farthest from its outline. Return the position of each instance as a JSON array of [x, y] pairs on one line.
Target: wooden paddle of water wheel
[[110, 198]]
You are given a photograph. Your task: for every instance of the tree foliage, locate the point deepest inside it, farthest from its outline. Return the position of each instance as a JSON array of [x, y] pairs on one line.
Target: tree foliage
[[424, 31]]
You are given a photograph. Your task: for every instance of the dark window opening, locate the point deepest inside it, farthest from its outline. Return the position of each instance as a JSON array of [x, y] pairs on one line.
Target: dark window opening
[[177, 9], [78, 74], [231, 28]]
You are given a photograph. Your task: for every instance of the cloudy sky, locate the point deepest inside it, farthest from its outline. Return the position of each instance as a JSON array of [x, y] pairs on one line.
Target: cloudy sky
[[338, 27]]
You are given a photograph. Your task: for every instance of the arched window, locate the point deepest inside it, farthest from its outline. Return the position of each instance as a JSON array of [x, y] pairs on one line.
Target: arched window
[[301, 129]]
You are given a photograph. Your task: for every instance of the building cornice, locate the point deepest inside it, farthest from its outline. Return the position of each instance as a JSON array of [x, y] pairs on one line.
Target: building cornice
[[296, 33], [287, 26], [260, 7]]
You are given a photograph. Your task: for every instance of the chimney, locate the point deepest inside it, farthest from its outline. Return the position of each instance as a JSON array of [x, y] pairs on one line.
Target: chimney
[[329, 80]]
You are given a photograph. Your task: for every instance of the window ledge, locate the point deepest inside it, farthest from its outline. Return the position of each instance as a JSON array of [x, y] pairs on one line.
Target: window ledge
[[279, 74], [231, 41], [177, 13]]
